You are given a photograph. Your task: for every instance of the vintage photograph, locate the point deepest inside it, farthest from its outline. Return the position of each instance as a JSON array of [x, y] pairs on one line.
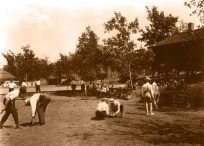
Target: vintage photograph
[[102, 73]]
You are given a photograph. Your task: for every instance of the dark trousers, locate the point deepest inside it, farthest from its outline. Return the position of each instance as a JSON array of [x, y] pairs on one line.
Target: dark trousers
[[100, 114], [43, 102], [11, 89], [11, 109], [121, 109], [37, 87], [83, 88], [115, 108]]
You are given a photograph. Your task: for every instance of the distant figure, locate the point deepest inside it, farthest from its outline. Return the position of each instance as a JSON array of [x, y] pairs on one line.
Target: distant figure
[[38, 103], [156, 92], [24, 84], [11, 86], [136, 85], [73, 85], [116, 108], [102, 109], [9, 103], [147, 94], [37, 85], [83, 87]]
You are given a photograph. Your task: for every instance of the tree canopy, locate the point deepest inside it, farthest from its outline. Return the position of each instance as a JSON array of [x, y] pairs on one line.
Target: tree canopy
[[197, 7], [25, 66], [160, 26], [87, 56]]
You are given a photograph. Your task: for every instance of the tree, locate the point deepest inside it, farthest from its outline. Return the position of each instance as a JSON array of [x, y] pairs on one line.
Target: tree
[[21, 65], [26, 66], [64, 66], [197, 7], [87, 56], [160, 27], [143, 59], [120, 46]]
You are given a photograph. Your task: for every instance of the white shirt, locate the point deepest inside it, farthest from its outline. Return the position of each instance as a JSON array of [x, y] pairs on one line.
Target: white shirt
[[12, 85], [155, 88], [103, 106], [103, 89], [24, 84], [37, 82], [13, 94], [33, 102], [147, 90]]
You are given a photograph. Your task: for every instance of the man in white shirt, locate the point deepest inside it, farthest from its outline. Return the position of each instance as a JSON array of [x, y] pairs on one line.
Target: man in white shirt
[[9, 102], [37, 85], [116, 108], [102, 110], [11, 86], [38, 103], [147, 94], [24, 84]]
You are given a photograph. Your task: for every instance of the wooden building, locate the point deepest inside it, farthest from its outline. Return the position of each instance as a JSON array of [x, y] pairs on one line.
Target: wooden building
[[183, 52]]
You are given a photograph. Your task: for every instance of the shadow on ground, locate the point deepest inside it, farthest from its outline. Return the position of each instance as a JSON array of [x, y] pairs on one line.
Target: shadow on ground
[[29, 124], [159, 132]]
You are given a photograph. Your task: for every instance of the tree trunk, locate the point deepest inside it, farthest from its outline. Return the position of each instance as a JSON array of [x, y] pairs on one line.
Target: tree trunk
[[130, 77]]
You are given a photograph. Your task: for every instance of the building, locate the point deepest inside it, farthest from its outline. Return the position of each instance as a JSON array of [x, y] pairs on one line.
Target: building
[[183, 52], [4, 75]]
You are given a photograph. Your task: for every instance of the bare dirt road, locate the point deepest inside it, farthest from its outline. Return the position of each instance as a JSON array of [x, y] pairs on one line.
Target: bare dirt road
[[69, 123]]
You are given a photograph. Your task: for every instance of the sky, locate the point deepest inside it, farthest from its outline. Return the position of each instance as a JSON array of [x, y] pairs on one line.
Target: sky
[[52, 27]]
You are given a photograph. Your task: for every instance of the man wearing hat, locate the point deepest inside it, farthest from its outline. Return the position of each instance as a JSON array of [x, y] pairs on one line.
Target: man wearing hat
[[9, 103], [116, 108], [38, 103], [147, 94], [102, 110]]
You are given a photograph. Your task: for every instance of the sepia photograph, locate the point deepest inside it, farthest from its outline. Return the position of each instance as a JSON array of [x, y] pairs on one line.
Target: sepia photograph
[[101, 72]]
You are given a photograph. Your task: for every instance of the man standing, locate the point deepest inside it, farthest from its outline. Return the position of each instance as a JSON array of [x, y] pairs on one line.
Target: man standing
[[147, 94], [102, 109], [37, 85], [9, 102], [156, 93], [82, 87], [38, 103], [11, 86], [116, 108], [24, 84]]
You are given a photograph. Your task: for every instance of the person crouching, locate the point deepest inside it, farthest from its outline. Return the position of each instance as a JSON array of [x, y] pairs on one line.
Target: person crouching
[[116, 108], [38, 103], [102, 109]]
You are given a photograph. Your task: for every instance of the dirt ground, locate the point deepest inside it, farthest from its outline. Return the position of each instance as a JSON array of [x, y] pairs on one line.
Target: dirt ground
[[69, 122]]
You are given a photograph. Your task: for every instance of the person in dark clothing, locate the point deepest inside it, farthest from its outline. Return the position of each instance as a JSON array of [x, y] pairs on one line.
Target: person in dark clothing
[[38, 103], [10, 108]]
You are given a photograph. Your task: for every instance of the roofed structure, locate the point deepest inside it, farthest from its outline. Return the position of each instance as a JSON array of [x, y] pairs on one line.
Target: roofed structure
[[4, 75], [182, 51]]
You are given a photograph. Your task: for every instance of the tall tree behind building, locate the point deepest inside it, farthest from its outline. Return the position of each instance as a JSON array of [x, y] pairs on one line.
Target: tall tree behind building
[[197, 7], [160, 27], [120, 44]]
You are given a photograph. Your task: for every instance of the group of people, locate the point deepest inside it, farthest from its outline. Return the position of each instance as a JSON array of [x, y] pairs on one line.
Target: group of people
[[38, 102], [109, 108], [150, 94], [12, 85]]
